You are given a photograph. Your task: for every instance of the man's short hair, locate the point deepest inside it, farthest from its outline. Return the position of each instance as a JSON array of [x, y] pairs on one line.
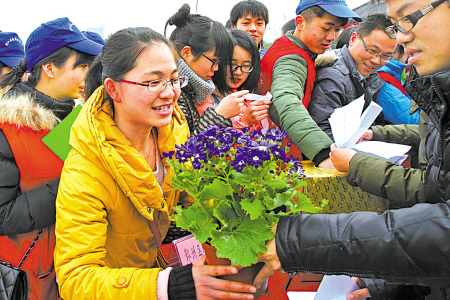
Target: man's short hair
[[373, 22], [317, 12], [253, 7]]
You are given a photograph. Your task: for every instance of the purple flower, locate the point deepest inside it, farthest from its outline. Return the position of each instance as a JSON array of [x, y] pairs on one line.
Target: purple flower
[[168, 154], [275, 134]]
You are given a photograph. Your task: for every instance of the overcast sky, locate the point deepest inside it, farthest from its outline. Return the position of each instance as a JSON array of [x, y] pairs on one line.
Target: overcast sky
[[23, 16]]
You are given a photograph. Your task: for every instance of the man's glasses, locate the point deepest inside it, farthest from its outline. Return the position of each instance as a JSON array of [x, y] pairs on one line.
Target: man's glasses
[[160, 85], [215, 62], [406, 23], [244, 69], [374, 53]]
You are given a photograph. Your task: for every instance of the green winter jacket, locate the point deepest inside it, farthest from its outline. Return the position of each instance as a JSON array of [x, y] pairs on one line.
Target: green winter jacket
[[288, 86], [382, 178]]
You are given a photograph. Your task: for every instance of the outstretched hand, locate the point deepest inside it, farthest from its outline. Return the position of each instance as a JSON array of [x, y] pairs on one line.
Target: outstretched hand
[[231, 105], [360, 294], [271, 260], [341, 157], [208, 287]]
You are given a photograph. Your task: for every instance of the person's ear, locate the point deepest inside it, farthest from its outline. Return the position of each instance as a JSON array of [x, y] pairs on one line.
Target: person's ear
[[352, 39], [49, 70], [300, 23], [186, 53], [111, 87]]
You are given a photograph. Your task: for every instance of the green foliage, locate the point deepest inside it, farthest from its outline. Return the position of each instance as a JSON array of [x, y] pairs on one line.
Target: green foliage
[[242, 184]]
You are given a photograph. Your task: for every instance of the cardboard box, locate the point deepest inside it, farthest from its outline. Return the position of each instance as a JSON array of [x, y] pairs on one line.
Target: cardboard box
[[343, 198]]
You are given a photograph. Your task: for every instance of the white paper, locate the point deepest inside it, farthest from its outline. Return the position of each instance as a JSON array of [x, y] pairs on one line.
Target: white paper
[[301, 295], [348, 125], [256, 97], [335, 287]]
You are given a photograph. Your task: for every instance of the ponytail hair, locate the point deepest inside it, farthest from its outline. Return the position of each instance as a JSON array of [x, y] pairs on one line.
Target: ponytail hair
[[202, 34], [120, 55], [15, 76]]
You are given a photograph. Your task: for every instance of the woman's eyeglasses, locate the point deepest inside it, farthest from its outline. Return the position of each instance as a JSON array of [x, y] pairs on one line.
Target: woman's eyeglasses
[[244, 69], [215, 62], [160, 85]]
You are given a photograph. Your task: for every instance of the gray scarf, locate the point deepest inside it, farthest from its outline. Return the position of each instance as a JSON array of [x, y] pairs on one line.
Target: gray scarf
[[202, 89]]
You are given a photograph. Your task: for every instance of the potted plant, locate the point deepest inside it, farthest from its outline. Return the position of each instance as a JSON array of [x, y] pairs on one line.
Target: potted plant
[[242, 182]]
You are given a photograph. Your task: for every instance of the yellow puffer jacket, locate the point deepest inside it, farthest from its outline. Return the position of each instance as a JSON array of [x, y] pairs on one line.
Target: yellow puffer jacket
[[105, 248]]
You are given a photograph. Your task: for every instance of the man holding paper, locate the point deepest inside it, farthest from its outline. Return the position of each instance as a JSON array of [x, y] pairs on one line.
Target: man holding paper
[[403, 246], [348, 73]]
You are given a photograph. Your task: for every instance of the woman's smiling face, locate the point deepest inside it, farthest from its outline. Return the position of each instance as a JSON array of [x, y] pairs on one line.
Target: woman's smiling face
[[241, 57]]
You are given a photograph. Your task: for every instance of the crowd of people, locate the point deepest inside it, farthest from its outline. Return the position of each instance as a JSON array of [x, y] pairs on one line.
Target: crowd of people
[[92, 226]]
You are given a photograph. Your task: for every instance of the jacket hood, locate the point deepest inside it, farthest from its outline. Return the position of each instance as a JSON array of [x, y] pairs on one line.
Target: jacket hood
[[96, 135], [393, 67], [21, 109]]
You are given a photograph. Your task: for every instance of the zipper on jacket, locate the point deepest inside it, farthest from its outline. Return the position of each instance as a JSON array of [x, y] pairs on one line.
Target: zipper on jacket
[[441, 137], [291, 275]]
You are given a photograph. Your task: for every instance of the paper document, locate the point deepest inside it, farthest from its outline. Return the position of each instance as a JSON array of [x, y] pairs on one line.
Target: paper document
[[348, 125], [335, 287], [256, 97], [292, 295]]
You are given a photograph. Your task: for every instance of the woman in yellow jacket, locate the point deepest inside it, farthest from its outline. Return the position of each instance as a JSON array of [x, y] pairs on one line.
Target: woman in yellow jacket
[[115, 196]]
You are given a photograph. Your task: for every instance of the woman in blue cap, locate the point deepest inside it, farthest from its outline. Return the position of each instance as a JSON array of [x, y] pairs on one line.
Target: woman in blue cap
[[11, 51], [57, 55]]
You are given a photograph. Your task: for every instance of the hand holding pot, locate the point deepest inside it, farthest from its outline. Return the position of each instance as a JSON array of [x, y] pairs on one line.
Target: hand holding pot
[[207, 286], [271, 260]]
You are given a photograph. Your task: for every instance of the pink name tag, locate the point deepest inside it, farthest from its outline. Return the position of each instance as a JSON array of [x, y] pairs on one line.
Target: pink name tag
[[185, 251]]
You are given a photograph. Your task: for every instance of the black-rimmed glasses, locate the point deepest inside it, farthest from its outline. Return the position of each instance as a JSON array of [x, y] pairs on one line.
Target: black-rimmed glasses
[[374, 53], [160, 85], [244, 68], [406, 23], [215, 62]]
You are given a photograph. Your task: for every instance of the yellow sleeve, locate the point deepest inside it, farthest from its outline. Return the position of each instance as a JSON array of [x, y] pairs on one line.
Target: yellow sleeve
[[84, 194]]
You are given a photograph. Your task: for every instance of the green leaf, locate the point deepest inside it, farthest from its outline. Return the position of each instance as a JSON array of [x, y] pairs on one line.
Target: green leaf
[[196, 221], [226, 214], [243, 245], [255, 208], [217, 190], [304, 204]]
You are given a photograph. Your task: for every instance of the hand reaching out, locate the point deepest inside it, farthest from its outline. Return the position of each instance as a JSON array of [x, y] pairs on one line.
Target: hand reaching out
[[341, 157], [207, 286]]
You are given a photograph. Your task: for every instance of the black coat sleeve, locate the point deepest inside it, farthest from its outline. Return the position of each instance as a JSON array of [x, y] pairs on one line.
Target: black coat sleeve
[[20, 213], [404, 246]]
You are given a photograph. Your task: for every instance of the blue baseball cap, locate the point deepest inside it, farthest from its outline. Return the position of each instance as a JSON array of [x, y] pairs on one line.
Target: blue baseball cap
[[51, 36], [337, 8], [94, 36], [11, 49]]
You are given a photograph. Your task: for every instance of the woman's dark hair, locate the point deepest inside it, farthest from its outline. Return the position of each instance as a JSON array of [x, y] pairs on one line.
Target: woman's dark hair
[[344, 37], [58, 58], [120, 55], [201, 34], [244, 40]]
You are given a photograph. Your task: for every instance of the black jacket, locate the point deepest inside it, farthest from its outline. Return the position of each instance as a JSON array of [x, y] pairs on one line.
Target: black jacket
[[406, 246], [337, 84], [20, 213]]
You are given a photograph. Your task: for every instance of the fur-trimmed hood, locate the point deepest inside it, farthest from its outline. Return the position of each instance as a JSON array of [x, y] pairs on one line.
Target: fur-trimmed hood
[[325, 58], [25, 107]]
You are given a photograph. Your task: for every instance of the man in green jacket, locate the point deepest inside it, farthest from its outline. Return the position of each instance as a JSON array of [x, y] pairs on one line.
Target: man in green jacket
[[288, 72]]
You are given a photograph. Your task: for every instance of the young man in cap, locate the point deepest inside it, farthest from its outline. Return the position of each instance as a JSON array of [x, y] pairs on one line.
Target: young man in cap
[[346, 74], [288, 72], [252, 17], [11, 51], [404, 246]]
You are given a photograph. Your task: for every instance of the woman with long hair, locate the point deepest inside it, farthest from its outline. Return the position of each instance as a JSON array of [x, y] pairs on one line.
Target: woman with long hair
[[57, 55], [204, 46], [115, 195]]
